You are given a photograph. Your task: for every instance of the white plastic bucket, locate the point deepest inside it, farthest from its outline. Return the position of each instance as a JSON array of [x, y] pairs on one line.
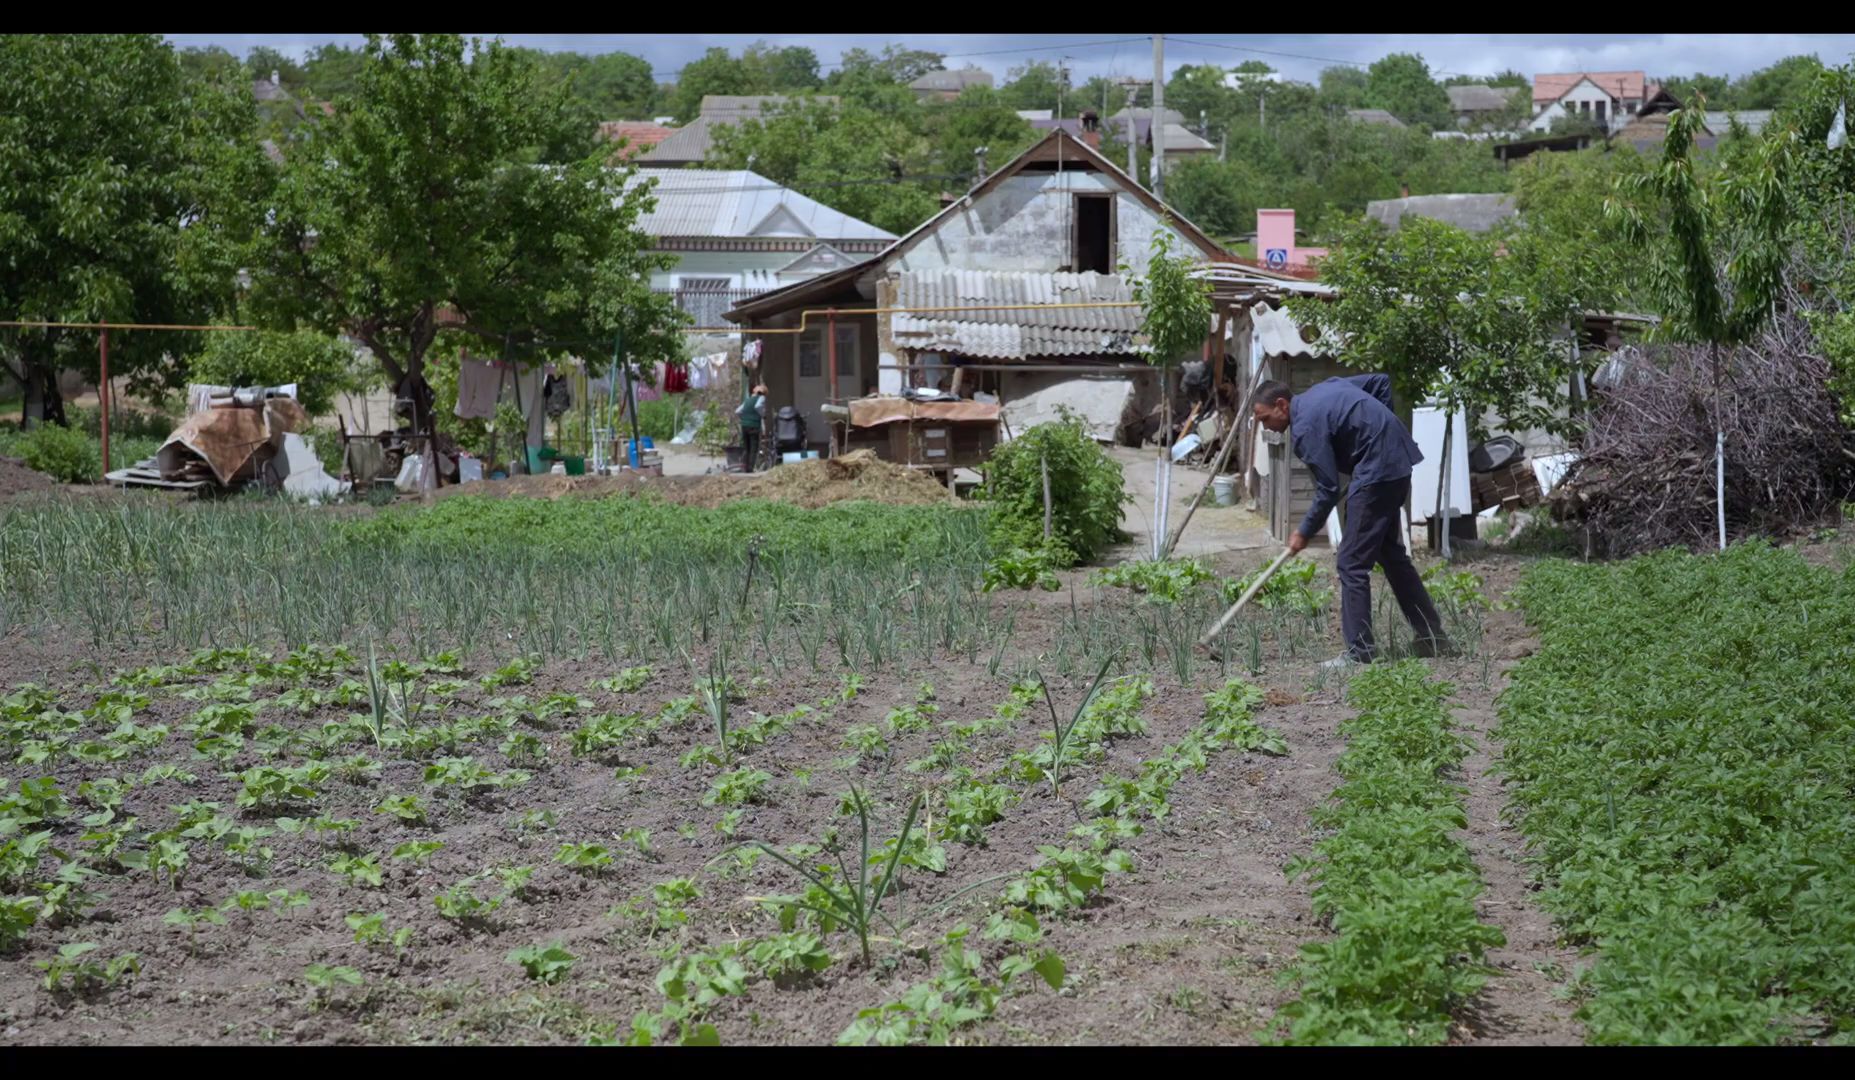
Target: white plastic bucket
[[1224, 490]]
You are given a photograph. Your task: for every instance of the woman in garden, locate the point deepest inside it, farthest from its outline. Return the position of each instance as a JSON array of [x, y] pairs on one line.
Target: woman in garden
[[752, 408]]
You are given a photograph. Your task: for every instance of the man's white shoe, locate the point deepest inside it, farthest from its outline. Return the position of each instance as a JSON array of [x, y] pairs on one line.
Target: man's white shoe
[[1339, 663]]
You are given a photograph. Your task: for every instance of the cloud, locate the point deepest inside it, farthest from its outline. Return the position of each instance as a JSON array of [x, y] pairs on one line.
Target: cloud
[[1299, 56]]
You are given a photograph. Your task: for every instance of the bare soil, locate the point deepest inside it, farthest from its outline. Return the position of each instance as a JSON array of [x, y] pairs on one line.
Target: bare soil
[[1188, 948], [16, 479], [810, 484]]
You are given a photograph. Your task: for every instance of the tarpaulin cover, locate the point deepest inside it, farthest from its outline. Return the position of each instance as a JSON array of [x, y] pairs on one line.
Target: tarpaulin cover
[[228, 436], [874, 412]]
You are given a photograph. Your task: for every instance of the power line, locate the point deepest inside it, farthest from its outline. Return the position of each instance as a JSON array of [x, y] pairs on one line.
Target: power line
[[672, 75], [1303, 56]]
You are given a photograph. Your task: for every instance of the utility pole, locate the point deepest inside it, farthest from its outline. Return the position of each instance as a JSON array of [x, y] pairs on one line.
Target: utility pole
[[1133, 149], [1158, 128], [1062, 83]]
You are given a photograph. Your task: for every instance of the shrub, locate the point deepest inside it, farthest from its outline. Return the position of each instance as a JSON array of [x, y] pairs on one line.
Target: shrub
[[65, 453], [320, 365], [1086, 492]]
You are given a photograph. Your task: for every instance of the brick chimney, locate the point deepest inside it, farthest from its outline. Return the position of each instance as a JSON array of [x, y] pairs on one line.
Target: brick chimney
[[1091, 128]]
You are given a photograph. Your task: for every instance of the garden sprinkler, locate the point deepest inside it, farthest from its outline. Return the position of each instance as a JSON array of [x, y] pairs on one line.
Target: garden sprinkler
[[1249, 593]]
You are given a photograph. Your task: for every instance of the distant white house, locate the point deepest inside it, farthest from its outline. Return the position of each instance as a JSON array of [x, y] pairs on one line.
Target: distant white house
[[737, 234], [1607, 98]]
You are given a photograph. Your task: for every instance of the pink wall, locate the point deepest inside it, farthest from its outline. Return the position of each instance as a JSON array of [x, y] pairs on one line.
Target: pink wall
[[1276, 229]]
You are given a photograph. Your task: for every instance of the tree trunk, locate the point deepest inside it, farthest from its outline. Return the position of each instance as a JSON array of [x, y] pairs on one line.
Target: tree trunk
[[43, 402]]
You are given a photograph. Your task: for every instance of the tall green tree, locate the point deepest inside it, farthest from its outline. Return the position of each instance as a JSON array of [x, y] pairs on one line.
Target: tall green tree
[[849, 156], [1730, 245], [124, 185], [262, 60], [1716, 88], [618, 86], [979, 117], [1783, 83], [791, 68], [1401, 85], [1034, 85], [1175, 316], [332, 71], [1344, 88], [1197, 89], [896, 64], [210, 62], [457, 181], [1449, 319], [717, 72]]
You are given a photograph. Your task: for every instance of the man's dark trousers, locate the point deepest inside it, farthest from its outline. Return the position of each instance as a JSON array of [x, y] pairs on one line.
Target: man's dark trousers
[[1371, 536]]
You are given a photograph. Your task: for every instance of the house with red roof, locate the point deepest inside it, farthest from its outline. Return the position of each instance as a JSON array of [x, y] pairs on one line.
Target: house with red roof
[[633, 137], [1609, 99]]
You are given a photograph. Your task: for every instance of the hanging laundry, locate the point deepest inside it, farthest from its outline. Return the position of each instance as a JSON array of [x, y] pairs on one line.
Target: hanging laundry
[[479, 382], [642, 388], [675, 378], [702, 371], [750, 356], [559, 396]]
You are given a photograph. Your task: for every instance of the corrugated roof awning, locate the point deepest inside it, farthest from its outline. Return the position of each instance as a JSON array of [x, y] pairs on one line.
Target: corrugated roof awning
[[1006, 334]]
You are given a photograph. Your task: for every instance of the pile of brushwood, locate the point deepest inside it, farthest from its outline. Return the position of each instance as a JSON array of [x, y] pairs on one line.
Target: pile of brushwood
[[1645, 477]]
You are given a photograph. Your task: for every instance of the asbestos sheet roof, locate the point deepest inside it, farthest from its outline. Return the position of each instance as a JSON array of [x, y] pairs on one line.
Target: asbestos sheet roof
[[1476, 213], [1753, 120], [1280, 335], [1479, 97], [1374, 116], [1014, 335], [691, 143], [738, 203]]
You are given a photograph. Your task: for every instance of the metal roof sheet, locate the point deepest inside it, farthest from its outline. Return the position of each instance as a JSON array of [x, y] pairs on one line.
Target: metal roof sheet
[[739, 203]]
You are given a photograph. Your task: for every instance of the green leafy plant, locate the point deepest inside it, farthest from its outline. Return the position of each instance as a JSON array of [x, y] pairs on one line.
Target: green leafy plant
[[671, 899], [1164, 582], [785, 956], [363, 870], [1087, 493], [589, 856], [409, 808], [65, 454], [371, 930], [71, 970], [546, 964], [1023, 568], [417, 851], [854, 901], [628, 681]]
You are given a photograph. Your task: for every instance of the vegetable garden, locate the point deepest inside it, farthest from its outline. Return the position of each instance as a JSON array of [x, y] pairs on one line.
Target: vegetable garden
[[620, 772]]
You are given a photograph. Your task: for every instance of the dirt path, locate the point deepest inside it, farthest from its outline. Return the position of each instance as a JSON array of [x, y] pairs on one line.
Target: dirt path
[[1517, 1007]]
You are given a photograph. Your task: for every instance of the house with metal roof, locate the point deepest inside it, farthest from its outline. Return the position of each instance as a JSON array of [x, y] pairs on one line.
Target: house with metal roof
[[1373, 116], [982, 286], [1475, 213], [947, 85], [690, 144], [633, 137], [1478, 106], [736, 234]]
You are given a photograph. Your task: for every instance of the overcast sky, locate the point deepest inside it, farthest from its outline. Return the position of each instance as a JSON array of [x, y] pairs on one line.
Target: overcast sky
[[1103, 54]]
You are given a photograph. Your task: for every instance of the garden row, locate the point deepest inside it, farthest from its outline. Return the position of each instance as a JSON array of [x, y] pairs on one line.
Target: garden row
[[279, 788], [1393, 879], [1682, 747]]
